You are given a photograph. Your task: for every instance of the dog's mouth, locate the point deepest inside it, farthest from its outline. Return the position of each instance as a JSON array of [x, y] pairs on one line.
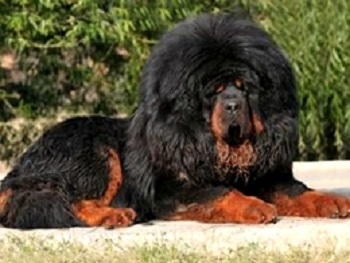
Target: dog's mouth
[[234, 135]]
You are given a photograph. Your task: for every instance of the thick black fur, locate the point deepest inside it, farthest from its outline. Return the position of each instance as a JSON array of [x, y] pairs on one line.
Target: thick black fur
[[166, 147]]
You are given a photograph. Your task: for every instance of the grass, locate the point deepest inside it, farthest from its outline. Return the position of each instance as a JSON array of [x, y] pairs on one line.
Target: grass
[[17, 250]]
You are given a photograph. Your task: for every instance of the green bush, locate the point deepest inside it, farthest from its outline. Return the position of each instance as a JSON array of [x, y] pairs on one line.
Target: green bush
[[85, 56]]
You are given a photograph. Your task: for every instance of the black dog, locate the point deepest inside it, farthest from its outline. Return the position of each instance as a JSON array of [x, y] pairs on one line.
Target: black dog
[[212, 140]]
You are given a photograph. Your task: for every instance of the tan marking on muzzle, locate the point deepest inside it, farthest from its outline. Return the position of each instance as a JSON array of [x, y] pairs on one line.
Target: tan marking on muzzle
[[240, 157]]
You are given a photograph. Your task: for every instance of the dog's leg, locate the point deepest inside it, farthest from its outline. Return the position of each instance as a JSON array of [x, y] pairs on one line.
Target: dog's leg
[[230, 207], [92, 213], [47, 201], [97, 212], [293, 198]]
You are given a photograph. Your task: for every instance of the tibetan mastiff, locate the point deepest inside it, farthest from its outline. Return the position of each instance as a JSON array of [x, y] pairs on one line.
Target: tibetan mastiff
[[212, 140]]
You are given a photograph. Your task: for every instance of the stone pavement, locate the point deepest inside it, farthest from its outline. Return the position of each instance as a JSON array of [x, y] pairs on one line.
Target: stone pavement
[[219, 238]]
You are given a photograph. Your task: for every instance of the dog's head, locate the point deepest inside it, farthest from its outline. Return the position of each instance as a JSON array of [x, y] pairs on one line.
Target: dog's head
[[219, 74], [232, 117], [231, 108]]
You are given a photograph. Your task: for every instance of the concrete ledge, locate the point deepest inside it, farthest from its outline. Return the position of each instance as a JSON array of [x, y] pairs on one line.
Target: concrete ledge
[[330, 175], [322, 167]]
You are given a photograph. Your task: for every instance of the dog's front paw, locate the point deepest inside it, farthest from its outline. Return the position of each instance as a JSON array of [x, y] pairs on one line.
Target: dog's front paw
[[313, 204]]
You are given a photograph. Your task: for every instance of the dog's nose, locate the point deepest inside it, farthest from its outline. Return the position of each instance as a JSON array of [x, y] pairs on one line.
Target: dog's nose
[[232, 107]]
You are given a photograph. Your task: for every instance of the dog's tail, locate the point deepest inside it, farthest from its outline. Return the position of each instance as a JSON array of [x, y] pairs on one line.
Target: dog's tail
[[35, 201]]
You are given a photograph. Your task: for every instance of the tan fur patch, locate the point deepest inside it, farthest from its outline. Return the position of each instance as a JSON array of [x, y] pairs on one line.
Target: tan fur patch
[[257, 123], [97, 212], [240, 157], [4, 197], [238, 83]]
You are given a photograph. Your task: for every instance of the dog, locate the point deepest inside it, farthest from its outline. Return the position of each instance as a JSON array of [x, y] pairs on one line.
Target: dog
[[212, 140]]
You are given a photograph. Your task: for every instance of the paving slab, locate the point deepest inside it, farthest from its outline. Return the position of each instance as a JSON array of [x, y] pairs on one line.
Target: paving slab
[[222, 238]]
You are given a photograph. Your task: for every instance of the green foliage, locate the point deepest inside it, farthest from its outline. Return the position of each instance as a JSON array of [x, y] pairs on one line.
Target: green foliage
[[316, 36], [85, 56]]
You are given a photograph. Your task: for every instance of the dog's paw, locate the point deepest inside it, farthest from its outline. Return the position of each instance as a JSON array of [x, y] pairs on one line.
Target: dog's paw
[[314, 204]]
